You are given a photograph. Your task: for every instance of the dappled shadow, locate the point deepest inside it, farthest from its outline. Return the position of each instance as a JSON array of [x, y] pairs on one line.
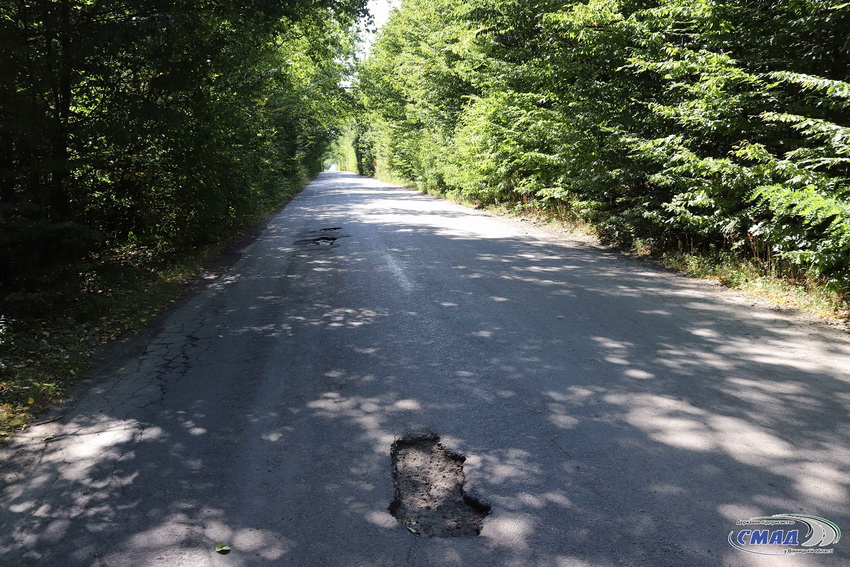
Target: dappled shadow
[[610, 413]]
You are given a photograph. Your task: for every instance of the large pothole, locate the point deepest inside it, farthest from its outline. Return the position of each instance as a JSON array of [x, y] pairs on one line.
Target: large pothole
[[429, 494]]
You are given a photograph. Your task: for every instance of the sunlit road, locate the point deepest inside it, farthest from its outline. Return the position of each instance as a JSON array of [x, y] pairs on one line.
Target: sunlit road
[[611, 414]]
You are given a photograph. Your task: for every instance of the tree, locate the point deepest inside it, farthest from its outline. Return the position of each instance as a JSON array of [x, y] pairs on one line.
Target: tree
[[158, 124], [678, 123]]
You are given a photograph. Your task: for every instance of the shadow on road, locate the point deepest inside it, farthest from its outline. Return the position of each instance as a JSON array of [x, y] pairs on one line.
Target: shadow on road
[[611, 414]]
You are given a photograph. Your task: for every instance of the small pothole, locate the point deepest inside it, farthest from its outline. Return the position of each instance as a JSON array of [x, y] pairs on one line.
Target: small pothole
[[320, 241], [321, 238], [429, 495]]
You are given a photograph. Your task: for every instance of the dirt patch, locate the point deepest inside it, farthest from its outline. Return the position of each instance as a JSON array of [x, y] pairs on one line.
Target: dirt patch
[[429, 495]]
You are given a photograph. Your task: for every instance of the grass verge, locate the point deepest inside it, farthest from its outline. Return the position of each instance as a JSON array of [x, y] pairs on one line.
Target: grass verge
[[768, 280]]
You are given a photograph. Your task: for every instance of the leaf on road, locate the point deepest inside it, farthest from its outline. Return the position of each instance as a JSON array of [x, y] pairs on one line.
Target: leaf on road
[[222, 548]]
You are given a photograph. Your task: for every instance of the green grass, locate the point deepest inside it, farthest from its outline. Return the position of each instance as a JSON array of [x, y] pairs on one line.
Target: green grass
[[769, 280]]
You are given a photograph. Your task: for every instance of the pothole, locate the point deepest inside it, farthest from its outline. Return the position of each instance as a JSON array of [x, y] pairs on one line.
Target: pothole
[[321, 238], [429, 494], [320, 241]]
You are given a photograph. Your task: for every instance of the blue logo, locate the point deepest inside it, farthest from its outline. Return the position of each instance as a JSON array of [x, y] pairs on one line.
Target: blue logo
[[785, 534]]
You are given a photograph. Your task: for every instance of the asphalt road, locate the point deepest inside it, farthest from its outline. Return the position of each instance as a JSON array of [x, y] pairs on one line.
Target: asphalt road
[[610, 413]]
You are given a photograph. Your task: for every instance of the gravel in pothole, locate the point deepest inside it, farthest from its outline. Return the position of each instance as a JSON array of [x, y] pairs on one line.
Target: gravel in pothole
[[429, 494]]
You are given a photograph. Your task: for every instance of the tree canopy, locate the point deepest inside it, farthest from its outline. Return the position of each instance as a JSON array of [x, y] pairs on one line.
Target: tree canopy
[[153, 123], [690, 124]]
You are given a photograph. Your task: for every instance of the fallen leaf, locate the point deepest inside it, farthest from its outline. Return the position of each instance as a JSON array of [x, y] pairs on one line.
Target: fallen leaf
[[222, 548]]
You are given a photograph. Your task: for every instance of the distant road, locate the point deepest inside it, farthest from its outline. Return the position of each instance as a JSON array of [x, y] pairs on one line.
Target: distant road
[[610, 413]]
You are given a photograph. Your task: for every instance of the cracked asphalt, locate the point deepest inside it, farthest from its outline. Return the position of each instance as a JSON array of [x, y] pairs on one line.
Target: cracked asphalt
[[610, 413]]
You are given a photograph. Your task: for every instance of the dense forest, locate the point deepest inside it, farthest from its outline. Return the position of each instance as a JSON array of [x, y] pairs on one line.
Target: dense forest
[[697, 125], [154, 124]]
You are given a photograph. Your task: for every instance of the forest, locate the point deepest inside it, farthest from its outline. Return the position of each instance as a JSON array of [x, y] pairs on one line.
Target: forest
[[134, 133], [153, 124], [708, 126]]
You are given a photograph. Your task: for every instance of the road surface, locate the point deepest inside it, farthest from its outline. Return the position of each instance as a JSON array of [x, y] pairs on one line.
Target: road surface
[[610, 413]]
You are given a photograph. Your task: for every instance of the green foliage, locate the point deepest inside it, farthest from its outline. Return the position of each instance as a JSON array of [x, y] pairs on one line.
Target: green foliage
[[514, 145], [808, 227], [681, 124], [159, 123]]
